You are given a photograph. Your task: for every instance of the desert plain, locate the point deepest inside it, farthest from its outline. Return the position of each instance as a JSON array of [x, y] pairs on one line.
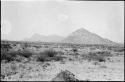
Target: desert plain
[[35, 61]]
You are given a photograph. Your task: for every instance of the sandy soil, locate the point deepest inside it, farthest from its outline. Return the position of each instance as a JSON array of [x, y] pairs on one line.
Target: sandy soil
[[112, 70]]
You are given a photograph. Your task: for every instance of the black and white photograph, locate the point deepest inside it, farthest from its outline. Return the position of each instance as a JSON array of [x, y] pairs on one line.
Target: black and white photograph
[[62, 40]]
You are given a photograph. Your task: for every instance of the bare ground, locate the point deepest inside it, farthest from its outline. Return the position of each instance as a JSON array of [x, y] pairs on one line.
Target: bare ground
[[112, 70]]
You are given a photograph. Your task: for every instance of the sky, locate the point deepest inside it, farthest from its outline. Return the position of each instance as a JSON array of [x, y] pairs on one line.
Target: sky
[[21, 19]]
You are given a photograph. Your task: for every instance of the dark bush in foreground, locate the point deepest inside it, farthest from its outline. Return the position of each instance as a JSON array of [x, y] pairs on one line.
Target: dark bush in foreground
[[119, 49], [48, 55], [74, 50], [6, 47], [25, 53], [97, 56], [41, 58], [104, 53], [6, 56], [58, 58], [60, 53], [12, 55]]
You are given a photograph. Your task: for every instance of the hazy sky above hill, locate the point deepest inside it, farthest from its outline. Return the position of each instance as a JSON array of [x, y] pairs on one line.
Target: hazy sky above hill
[[21, 19]]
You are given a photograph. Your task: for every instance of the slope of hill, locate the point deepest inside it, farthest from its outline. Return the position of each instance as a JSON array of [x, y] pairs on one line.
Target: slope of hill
[[83, 36]]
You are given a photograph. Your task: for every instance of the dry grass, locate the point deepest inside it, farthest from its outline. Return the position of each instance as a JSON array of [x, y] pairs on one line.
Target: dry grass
[[8, 69]]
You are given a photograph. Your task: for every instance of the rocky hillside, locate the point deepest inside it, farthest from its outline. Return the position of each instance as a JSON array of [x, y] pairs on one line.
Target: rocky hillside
[[83, 36]]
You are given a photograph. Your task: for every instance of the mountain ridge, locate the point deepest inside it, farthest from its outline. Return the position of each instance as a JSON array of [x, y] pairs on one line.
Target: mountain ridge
[[49, 38], [80, 36]]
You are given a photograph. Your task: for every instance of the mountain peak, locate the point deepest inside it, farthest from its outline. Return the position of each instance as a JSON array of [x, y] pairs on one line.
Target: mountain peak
[[82, 30], [83, 36]]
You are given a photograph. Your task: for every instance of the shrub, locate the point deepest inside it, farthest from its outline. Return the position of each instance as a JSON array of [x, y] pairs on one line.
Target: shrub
[[60, 53], [41, 58], [97, 56], [26, 45], [58, 58], [48, 55], [25, 53], [74, 50], [6, 56], [119, 49], [6, 47], [13, 55], [104, 53], [100, 58], [96, 63]]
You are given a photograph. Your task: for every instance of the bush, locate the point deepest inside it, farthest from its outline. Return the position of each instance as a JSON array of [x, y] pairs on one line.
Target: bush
[[119, 49], [25, 53], [97, 56], [41, 58], [60, 53], [58, 58], [48, 55], [104, 53], [100, 58], [6, 56], [12, 55], [74, 50], [6, 47]]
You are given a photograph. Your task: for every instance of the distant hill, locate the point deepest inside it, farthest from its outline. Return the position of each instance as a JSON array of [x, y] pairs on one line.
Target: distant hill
[[83, 36], [42, 38], [80, 36]]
